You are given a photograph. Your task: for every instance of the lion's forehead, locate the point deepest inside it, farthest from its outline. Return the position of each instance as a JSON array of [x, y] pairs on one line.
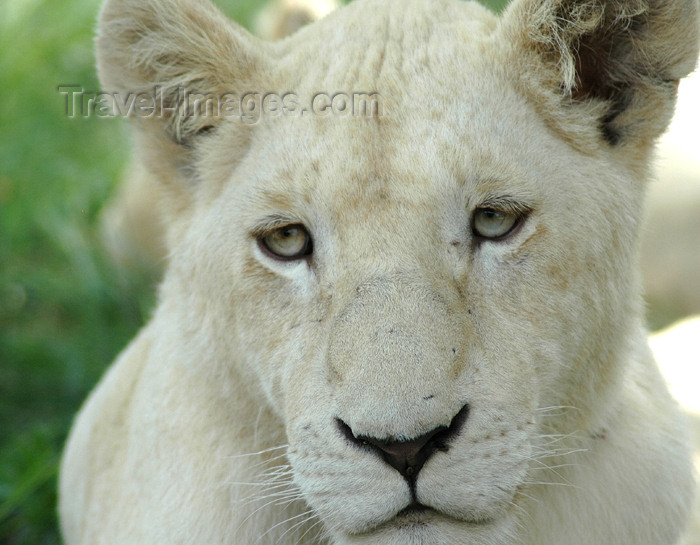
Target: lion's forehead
[[373, 203], [441, 103], [366, 170], [386, 44]]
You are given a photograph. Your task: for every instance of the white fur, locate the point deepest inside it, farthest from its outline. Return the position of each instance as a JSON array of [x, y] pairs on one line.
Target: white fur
[[218, 423]]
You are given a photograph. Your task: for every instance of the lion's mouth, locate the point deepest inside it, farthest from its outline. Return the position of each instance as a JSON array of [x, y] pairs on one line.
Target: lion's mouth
[[417, 513]]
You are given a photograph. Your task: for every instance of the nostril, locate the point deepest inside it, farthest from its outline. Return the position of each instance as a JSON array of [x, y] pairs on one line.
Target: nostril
[[409, 456]]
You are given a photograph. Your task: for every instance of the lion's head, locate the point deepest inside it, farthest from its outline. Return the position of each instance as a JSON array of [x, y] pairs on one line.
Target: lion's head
[[428, 273]]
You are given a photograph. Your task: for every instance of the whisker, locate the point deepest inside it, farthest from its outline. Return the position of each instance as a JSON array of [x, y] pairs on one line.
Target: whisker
[[264, 451], [557, 437], [523, 494], [553, 453], [267, 491], [283, 494], [292, 528], [314, 525], [276, 502], [279, 472], [522, 510], [290, 519], [267, 461], [551, 468], [547, 483], [543, 465], [262, 484]]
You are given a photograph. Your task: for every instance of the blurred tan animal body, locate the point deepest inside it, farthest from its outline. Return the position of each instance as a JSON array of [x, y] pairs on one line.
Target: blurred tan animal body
[[415, 324]]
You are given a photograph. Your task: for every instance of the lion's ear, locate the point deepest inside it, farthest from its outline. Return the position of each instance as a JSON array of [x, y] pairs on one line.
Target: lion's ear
[[171, 48], [613, 65], [167, 50]]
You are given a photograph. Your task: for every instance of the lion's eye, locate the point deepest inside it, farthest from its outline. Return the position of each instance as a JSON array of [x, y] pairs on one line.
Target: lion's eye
[[493, 224], [288, 242]]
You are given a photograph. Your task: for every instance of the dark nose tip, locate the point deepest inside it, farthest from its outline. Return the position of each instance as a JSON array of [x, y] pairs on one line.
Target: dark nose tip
[[409, 456]]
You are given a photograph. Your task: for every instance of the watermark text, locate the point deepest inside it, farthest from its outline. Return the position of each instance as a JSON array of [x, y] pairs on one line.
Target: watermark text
[[248, 107]]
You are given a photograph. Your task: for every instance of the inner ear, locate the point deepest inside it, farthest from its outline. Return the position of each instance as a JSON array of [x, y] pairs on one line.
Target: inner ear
[[592, 67], [595, 79]]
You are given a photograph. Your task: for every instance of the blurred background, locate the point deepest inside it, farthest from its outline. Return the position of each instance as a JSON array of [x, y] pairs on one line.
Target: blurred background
[[66, 308]]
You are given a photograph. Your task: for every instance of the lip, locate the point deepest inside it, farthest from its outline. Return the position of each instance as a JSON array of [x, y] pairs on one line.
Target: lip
[[419, 513], [421, 518], [415, 511]]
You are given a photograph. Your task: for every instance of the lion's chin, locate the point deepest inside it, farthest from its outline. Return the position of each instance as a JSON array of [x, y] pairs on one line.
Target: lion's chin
[[421, 525]]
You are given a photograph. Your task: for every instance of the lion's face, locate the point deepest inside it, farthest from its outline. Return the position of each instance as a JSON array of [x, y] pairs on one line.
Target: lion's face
[[412, 294], [451, 277]]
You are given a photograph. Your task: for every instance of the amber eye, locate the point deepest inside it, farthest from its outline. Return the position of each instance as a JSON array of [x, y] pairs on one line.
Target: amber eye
[[288, 242], [493, 224]]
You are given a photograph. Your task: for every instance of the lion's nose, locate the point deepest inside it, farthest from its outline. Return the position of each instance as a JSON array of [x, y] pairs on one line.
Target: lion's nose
[[409, 456]]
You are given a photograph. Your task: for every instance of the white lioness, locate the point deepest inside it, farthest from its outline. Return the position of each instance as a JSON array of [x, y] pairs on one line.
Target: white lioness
[[417, 327]]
